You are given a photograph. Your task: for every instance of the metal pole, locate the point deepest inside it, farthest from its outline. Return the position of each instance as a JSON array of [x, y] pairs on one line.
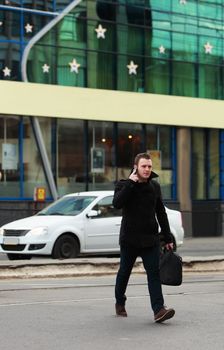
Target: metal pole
[[44, 157]]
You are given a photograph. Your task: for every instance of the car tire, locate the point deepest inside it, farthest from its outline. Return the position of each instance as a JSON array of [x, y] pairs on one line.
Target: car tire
[[66, 247], [12, 256]]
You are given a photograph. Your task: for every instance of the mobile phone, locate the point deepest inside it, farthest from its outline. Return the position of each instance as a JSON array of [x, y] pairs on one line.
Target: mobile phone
[[135, 170]]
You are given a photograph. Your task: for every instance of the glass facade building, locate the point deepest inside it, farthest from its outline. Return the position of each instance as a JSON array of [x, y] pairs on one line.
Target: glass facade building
[[167, 47]]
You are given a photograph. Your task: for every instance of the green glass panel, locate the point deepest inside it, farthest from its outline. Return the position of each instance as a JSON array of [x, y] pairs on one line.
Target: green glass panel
[[210, 81], [62, 44], [176, 46], [157, 76], [183, 79]]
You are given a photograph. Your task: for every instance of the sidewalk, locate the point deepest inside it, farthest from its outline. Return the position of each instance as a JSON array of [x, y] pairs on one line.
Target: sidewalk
[[194, 254]]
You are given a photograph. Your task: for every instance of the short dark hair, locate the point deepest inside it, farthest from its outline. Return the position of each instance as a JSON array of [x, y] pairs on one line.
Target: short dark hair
[[144, 155]]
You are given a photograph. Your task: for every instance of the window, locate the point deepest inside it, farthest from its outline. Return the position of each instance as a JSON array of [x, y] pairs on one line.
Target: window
[[129, 144], [205, 164], [214, 170], [70, 157], [105, 208], [31, 167], [9, 151], [159, 144], [100, 137], [198, 164]]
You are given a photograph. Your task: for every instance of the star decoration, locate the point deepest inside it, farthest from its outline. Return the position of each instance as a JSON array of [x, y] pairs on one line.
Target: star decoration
[[28, 28], [74, 66], [7, 72], [132, 68], [100, 32], [183, 2], [162, 49], [45, 68], [208, 47]]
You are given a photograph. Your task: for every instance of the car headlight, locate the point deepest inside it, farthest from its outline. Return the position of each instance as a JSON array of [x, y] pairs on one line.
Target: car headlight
[[38, 231], [1, 231]]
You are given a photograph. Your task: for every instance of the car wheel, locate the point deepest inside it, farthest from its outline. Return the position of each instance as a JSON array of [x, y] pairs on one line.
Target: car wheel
[[66, 247], [12, 256]]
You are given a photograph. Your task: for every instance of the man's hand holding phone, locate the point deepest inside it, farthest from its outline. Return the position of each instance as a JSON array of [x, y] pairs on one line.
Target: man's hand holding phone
[[134, 175]]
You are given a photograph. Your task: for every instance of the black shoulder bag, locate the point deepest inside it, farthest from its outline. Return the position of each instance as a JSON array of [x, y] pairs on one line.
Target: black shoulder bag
[[170, 268]]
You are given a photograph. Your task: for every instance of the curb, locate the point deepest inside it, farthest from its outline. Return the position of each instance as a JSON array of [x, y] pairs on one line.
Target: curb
[[94, 267]]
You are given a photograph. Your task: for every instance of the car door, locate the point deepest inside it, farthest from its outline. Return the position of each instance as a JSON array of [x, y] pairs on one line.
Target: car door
[[102, 230]]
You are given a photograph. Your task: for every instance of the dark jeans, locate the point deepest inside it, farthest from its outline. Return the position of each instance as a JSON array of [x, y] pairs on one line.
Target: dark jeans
[[150, 259]]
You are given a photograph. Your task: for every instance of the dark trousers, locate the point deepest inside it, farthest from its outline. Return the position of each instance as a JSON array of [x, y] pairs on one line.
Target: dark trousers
[[150, 259]]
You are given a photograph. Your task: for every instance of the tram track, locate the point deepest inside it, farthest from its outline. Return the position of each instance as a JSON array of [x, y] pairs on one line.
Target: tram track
[[20, 286]]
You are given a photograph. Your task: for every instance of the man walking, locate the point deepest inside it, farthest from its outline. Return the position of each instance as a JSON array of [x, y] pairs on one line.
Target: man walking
[[140, 199]]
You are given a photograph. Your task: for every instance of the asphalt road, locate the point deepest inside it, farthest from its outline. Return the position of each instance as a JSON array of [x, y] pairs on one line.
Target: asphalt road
[[203, 246], [192, 247], [79, 314]]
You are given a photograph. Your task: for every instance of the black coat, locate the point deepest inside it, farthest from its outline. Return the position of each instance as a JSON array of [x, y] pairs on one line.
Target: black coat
[[141, 204]]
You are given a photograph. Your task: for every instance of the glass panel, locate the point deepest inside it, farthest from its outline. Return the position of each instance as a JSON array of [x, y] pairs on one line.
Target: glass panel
[[210, 81], [101, 145], [184, 47], [198, 164], [9, 156], [60, 4], [214, 171], [184, 79], [157, 76], [151, 137], [68, 205], [10, 58], [62, 50], [165, 38], [102, 70], [44, 5], [158, 143], [106, 209], [183, 30], [106, 10], [130, 142], [70, 156], [10, 28], [35, 20], [32, 164]]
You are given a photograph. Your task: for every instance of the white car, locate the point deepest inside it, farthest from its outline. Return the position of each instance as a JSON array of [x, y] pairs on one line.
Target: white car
[[77, 223]]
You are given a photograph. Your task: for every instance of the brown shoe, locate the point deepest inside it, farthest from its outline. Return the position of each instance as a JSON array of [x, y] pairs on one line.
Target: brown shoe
[[164, 314], [120, 310]]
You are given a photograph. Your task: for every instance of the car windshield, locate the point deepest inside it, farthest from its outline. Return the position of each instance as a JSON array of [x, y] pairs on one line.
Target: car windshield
[[68, 206]]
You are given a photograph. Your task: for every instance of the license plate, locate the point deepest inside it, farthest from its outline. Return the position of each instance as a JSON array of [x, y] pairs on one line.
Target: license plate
[[11, 240]]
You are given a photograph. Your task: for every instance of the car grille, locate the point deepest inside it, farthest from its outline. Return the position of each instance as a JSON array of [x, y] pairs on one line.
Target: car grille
[[15, 233], [16, 248]]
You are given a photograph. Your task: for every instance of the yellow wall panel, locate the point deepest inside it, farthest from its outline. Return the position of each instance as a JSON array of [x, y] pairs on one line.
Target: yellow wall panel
[[93, 104]]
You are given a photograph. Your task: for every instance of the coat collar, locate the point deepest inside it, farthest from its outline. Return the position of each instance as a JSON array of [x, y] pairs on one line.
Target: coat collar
[[153, 175]]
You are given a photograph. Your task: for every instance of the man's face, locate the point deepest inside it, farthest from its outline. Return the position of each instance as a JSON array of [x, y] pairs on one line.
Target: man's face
[[144, 169]]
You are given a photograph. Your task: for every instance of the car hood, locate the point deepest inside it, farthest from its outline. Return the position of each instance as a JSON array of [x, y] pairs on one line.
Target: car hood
[[38, 221]]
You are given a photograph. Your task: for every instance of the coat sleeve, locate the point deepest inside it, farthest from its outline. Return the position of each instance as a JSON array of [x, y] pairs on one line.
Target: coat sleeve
[[122, 193], [162, 216]]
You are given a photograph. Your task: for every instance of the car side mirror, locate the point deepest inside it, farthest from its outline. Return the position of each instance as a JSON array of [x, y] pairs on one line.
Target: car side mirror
[[92, 214]]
